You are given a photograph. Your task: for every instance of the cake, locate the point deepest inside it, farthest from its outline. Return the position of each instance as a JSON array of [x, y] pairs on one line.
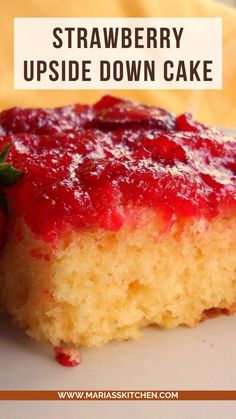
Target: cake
[[125, 217]]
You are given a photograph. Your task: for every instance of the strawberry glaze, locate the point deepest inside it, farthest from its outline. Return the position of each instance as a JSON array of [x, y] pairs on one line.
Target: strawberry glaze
[[99, 161]]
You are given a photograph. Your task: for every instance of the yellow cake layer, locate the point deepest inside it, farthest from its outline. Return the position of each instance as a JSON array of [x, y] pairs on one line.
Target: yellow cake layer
[[99, 286]]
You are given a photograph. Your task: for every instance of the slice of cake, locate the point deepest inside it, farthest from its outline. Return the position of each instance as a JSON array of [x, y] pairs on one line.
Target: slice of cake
[[123, 219]]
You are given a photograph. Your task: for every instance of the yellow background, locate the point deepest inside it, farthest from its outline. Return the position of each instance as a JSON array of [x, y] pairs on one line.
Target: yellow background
[[215, 107]]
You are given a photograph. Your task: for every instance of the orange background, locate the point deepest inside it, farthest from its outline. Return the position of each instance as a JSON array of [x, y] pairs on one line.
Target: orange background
[[214, 107]]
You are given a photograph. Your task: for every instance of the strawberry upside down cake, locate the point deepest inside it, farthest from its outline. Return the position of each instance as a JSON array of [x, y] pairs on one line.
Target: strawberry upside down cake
[[125, 216]]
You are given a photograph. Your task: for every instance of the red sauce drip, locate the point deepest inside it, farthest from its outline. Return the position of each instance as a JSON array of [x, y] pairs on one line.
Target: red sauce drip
[[81, 177], [67, 357]]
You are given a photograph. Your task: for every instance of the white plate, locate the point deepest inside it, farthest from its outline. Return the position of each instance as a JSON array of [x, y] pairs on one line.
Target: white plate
[[200, 358], [181, 358]]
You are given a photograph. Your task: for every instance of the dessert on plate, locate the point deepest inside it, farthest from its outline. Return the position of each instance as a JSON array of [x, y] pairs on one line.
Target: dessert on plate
[[125, 217]]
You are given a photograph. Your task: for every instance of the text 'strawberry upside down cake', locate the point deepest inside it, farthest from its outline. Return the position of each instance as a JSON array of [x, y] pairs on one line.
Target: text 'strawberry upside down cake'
[[125, 216]]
